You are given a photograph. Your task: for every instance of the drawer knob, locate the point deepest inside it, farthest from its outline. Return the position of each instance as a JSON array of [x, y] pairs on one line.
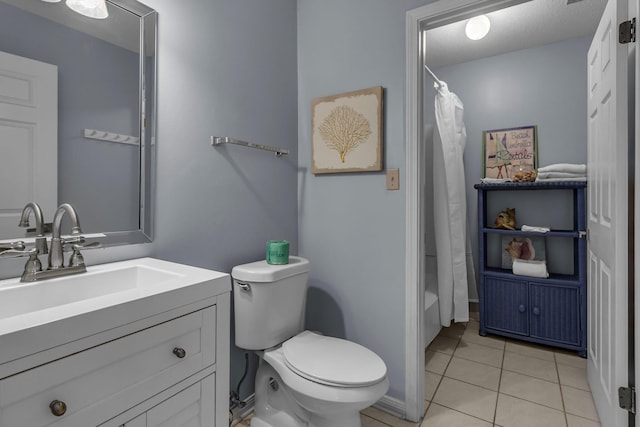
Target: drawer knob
[[58, 408], [179, 352], [536, 311], [521, 308]]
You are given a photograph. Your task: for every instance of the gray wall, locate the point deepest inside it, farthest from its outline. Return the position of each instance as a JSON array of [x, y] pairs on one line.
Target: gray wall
[[351, 228], [544, 86], [227, 68]]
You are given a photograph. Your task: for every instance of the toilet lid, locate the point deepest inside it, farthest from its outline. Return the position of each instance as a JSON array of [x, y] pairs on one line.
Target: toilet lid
[[332, 361]]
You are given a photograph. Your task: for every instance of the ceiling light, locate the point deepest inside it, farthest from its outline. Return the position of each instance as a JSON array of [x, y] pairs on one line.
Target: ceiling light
[[51, 1], [92, 8], [476, 28]]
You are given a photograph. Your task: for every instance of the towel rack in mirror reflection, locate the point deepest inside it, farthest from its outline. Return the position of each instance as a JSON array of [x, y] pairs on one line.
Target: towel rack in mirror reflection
[[219, 140]]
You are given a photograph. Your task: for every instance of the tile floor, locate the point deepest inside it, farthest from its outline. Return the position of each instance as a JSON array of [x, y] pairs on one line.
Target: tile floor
[[491, 381]]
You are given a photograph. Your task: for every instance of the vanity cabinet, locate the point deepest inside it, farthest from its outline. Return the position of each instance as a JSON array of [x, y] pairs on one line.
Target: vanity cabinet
[[171, 368], [551, 310]]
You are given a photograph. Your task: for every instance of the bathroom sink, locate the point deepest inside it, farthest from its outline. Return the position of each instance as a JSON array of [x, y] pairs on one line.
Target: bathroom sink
[[70, 307]]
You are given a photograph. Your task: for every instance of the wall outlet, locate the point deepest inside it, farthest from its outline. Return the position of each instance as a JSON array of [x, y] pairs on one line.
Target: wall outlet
[[393, 179]]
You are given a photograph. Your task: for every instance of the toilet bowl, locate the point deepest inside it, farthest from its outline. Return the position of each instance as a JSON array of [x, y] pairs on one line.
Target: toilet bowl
[[327, 381], [304, 379]]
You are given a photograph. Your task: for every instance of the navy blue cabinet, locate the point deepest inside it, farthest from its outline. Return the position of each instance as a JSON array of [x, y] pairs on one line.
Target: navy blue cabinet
[[551, 310]]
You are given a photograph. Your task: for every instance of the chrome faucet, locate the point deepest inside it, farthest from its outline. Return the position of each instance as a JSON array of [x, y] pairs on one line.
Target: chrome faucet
[[41, 241], [56, 256], [33, 268]]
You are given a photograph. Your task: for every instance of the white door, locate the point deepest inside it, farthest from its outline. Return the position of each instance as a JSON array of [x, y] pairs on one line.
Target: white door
[[28, 139], [607, 216]]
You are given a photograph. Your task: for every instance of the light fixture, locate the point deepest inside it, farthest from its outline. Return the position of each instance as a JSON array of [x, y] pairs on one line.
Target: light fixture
[[92, 8], [51, 1], [476, 28]]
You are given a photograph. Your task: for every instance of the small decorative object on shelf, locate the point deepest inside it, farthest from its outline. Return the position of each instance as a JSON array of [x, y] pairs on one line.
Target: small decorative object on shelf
[[526, 301], [506, 219], [524, 173]]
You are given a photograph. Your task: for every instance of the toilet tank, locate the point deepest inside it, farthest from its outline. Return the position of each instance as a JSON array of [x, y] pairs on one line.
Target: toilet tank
[[269, 302]]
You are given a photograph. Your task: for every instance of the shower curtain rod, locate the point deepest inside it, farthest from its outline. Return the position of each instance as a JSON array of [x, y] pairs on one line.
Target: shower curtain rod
[[435, 78]]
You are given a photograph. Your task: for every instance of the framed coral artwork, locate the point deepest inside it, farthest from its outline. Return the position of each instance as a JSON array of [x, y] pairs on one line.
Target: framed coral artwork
[[347, 132], [504, 150]]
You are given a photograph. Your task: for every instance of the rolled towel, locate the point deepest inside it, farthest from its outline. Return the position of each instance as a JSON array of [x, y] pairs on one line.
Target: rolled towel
[[545, 175], [530, 268], [535, 229], [565, 167]]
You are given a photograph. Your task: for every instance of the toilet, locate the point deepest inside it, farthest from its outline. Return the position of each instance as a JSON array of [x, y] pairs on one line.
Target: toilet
[[304, 379]]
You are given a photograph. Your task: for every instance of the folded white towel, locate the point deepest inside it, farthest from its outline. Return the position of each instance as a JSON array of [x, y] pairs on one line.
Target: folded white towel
[[544, 175], [565, 167], [578, 178], [535, 229], [530, 268], [495, 180]]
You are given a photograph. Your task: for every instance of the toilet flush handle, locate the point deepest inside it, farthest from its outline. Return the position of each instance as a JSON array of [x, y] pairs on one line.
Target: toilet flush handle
[[244, 286]]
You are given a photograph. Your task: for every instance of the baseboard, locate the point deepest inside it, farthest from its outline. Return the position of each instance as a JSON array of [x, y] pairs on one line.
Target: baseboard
[[392, 406], [387, 404]]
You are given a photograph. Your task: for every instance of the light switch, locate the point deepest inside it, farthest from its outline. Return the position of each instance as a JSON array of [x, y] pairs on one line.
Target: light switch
[[393, 179]]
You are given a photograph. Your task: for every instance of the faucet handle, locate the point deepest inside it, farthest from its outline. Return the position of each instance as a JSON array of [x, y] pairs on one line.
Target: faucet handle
[[15, 253], [76, 257], [17, 245]]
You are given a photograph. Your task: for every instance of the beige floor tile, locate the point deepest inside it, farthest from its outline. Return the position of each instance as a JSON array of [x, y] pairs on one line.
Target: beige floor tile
[[431, 383], [530, 349], [532, 366], [513, 412], [473, 325], [532, 389], [581, 422], [570, 358], [573, 377], [370, 422], [474, 373], [387, 418], [454, 331], [443, 344], [579, 402], [473, 336], [436, 362], [467, 398], [480, 353], [439, 416]]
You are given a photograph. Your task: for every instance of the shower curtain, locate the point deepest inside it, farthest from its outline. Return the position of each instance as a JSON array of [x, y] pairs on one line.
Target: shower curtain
[[450, 211]]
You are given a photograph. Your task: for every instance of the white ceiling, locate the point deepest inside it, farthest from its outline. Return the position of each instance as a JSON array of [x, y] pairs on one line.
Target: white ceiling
[[530, 24]]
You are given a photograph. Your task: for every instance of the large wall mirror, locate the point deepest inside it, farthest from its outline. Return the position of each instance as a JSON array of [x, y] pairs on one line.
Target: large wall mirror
[[95, 149]]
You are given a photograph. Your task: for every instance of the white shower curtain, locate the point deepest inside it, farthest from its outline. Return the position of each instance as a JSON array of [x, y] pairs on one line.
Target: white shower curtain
[[450, 210]]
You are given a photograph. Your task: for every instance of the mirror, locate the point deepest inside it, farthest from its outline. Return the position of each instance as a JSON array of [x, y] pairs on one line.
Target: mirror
[[106, 94]]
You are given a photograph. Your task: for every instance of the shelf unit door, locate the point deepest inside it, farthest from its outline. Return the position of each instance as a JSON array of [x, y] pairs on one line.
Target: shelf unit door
[[555, 313], [506, 305]]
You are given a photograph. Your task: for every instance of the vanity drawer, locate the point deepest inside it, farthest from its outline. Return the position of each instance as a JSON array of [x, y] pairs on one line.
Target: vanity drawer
[[97, 382]]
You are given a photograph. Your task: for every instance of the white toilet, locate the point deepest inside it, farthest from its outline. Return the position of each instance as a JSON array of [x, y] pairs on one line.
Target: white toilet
[[304, 379]]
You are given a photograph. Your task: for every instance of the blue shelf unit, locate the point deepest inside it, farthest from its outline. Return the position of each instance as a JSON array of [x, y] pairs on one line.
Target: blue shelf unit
[[550, 311]]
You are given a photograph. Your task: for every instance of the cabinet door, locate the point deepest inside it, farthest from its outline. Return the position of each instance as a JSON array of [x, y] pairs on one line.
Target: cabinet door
[[555, 312], [506, 305], [192, 407]]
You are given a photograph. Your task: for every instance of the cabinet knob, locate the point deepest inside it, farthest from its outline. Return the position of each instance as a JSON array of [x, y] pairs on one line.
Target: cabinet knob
[[179, 352], [536, 311], [58, 408], [521, 308]]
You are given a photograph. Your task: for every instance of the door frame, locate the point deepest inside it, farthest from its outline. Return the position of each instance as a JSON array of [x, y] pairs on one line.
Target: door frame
[[434, 14]]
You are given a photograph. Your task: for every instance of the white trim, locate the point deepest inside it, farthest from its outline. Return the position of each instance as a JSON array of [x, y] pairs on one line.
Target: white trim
[[439, 11], [391, 405]]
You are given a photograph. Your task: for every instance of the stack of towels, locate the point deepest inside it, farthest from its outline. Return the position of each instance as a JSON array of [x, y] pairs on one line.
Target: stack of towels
[[562, 172]]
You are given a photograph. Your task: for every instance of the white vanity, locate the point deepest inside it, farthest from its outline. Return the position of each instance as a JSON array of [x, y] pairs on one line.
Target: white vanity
[[135, 343]]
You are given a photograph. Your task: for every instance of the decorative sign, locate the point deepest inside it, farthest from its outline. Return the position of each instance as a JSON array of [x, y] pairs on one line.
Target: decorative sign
[[506, 150]]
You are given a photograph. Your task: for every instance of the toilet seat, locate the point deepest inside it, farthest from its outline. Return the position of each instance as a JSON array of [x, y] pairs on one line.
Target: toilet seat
[[332, 361]]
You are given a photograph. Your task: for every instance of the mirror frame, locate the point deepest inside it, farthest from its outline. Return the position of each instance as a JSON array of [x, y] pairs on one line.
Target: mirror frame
[[147, 103]]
